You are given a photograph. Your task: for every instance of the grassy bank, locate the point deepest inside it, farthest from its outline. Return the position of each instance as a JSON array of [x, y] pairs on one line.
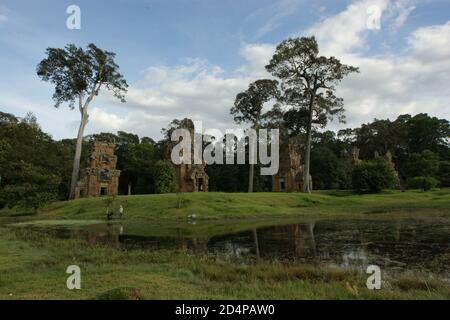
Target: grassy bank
[[215, 205], [32, 266]]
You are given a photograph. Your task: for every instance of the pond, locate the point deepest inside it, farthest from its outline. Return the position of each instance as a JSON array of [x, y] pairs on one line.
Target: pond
[[395, 245]]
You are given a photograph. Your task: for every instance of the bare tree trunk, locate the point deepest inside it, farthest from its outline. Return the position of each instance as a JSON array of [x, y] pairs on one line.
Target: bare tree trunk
[[306, 185], [129, 188], [250, 177], [76, 160], [307, 161]]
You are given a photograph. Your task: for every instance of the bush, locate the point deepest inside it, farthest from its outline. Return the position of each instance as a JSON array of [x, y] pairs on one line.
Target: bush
[[444, 174], [373, 176], [28, 186], [425, 183], [164, 177], [328, 171], [424, 164]]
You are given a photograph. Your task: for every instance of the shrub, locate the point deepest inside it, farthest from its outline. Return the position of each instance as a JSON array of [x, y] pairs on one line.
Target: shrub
[[425, 183], [424, 164], [444, 173], [373, 176], [33, 187], [164, 177]]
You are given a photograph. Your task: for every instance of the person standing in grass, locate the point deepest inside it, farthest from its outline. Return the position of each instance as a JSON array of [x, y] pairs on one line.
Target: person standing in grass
[[120, 211]]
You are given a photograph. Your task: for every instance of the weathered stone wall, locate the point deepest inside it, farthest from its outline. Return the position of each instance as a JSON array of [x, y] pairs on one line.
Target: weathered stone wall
[[353, 159], [100, 177], [191, 178], [290, 174]]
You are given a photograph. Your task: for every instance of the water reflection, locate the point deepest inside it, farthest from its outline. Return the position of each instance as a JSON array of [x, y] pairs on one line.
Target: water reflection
[[409, 244]]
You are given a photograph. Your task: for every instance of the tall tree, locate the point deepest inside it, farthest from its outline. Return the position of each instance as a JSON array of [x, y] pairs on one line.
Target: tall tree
[[248, 107], [427, 132], [78, 76], [309, 84]]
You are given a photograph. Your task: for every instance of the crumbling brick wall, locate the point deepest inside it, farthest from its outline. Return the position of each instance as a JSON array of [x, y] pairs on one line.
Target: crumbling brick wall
[[100, 177]]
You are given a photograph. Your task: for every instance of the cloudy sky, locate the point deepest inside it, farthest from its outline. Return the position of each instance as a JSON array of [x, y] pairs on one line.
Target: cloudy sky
[[189, 58]]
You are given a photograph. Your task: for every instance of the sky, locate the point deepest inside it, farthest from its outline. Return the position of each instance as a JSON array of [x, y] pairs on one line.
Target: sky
[[189, 58]]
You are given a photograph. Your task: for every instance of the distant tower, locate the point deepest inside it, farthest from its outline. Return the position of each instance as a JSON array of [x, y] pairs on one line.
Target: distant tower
[[191, 178], [290, 174], [100, 177], [354, 160]]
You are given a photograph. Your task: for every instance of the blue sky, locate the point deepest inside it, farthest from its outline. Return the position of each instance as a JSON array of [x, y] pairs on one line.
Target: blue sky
[[190, 58]]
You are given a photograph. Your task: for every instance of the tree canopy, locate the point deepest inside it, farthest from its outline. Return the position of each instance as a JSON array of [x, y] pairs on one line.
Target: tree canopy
[[308, 82]]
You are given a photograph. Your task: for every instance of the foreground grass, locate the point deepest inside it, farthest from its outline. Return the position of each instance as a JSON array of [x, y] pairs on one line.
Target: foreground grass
[[216, 205], [32, 266]]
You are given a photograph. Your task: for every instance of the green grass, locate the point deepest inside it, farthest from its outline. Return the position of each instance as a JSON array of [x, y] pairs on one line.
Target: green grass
[[217, 205], [35, 269]]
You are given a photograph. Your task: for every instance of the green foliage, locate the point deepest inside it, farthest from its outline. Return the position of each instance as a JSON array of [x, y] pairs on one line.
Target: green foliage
[[6, 118], [78, 76], [28, 154], [372, 176], [425, 132], [33, 187], [425, 163], [309, 83], [444, 173], [76, 72], [135, 159], [403, 137], [164, 177], [329, 171], [425, 183], [137, 162], [249, 104], [32, 165]]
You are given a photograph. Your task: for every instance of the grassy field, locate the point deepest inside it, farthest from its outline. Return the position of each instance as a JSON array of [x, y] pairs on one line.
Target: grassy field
[[216, 205], [32, 265]]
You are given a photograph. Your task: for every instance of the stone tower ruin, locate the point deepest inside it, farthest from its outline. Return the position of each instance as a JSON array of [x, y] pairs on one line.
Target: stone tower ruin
[[100, 177], [290, 174], [191, 178]]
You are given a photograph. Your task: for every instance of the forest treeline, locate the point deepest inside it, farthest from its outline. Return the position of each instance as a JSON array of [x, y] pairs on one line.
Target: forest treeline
[[35, 168]]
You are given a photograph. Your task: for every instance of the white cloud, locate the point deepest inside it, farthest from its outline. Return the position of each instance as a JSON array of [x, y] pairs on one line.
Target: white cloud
[[415, 80], [346, 31], [431, 44], [257, 56], [194, 89], [138, 122]]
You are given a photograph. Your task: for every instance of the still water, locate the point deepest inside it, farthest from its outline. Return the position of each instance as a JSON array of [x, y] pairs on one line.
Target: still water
[[401, 245]]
